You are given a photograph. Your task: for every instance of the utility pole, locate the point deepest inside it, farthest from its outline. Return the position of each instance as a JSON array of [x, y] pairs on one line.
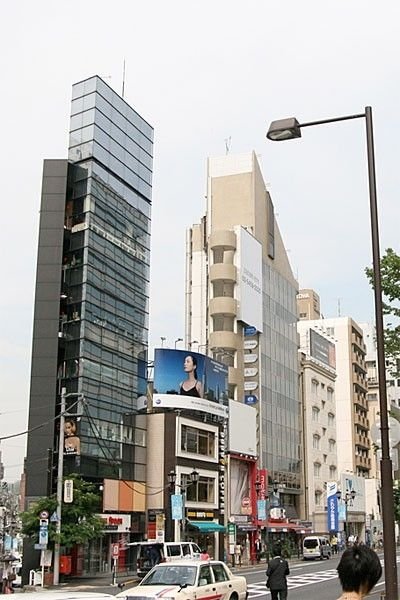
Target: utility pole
[[60, 469]]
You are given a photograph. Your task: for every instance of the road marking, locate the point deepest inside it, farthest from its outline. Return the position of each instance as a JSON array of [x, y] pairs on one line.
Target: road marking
[[259, 589]]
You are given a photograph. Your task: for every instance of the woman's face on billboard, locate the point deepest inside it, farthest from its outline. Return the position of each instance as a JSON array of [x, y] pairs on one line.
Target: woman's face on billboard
[[188, 365]]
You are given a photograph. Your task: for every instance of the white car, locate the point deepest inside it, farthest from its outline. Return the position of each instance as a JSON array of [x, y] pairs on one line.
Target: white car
[[189, 580]]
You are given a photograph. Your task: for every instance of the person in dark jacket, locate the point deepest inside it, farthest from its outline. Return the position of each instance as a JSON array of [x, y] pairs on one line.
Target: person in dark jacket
[[278, 570]]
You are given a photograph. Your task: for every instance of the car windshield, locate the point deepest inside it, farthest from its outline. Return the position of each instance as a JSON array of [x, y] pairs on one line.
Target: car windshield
[[171, 575]]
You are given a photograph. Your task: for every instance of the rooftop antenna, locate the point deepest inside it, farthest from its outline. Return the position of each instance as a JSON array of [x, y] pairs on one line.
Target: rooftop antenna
[[338, 308], [123, 80], [228, 144]]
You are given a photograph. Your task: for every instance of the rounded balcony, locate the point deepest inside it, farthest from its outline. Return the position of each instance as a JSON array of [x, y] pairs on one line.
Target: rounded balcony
[[234, 377], [223, 272], [224, 339], [223, 305], [223, 238]]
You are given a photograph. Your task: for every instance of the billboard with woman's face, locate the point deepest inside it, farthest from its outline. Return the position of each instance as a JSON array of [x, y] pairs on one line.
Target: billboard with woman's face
[[72, 443], [184, 379]]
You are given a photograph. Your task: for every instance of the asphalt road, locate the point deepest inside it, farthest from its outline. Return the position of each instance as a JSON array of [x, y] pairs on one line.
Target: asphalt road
[[310, 580]]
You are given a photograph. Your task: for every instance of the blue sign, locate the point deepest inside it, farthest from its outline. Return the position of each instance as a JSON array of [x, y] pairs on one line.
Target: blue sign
[[249, 330], [43, 535], [176, 507], [251, 399], [262, 510], [332, 501]]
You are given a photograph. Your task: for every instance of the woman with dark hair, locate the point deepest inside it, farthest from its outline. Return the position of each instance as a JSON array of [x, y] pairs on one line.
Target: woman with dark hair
[[191, 386], [359, 570]]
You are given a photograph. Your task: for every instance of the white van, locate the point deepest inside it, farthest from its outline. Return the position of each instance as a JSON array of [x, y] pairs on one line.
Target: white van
[[152, 553], [315, 546]]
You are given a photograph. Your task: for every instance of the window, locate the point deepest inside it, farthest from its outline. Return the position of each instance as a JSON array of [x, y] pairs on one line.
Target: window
[[197, 441], [316, 440], [331, 419], [329, 392], [205, 575], [219, 572], [314, 386], [317, 469], [303, 315], [318, 498], [332, 472], [315, 414], [332, 445], [202, 491]]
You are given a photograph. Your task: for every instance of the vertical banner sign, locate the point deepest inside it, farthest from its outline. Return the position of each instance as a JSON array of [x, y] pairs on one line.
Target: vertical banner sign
[[262, 510], [176, 507], [332, 501], [68, 491]]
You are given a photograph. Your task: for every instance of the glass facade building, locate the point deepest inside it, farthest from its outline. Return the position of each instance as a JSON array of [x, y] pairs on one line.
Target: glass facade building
[[279, 383], [90, 329]]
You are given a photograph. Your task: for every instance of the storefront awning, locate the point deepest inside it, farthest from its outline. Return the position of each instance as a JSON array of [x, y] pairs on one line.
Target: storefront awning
[[206, 526]]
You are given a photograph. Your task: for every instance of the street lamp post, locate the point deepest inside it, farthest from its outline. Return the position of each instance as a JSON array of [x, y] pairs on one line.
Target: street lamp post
[[194, 478], [178, 340], [288, 129], [59, 490], [347, 499]]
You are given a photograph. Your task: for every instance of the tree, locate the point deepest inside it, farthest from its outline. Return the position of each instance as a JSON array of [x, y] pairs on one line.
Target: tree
[[390, 273], [79, 522], [396, 497]]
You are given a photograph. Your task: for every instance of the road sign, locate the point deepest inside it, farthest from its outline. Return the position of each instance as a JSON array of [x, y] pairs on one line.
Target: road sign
[[115, 550], [54, 517], [43, 535], [44, 514], [40, 546], [68, 491]]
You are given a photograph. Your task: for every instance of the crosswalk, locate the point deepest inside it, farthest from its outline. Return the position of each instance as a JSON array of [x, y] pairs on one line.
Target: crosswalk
[[294, 581]]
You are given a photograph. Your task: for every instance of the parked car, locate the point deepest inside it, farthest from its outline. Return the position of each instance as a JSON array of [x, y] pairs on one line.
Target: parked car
[[150, 554], [189, 580], [316, 547]]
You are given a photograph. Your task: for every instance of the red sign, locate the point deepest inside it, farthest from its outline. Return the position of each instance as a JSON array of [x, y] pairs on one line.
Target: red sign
[[262, 476], [115, 550], [245, 502]]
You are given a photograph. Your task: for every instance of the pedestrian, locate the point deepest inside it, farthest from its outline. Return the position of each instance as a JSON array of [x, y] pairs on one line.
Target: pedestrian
[[359, 570], [258, 547], [277, 572], [334, 544]]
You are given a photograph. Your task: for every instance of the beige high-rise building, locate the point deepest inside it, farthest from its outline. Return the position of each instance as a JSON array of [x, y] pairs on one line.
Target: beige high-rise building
[[308, 305], [317, 386], [241, 309], [352, 419]]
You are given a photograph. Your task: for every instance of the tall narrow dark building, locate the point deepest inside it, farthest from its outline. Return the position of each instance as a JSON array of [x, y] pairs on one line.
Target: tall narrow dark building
[[91, 309]]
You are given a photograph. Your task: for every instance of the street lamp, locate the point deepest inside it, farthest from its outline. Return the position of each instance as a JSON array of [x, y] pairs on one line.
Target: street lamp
[[162, 338], [194, 478], [288, 129], [178, 340], [347, 499]]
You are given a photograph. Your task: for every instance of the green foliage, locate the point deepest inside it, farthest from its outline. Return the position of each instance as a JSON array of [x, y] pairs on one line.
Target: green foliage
[[79, 522], [396, 497], [390, 275]]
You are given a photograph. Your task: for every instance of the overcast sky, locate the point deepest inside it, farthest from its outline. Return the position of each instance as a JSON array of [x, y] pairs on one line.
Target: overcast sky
[[200, 73]]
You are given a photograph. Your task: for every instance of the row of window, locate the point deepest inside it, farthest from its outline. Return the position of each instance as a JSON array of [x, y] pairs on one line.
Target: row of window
[[121, 324], [315, 413], [95, 100], [317, 443], [332, 470], [83, 88]]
